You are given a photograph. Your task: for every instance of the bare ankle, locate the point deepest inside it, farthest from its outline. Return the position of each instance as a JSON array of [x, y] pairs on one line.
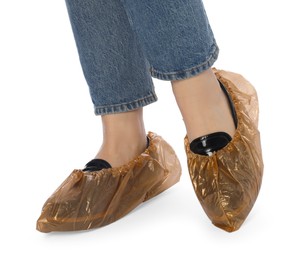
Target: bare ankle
[[124, 137], [203, 105]]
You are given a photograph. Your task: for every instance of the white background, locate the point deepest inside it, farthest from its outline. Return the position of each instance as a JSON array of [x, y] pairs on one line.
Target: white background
[[48, 128]]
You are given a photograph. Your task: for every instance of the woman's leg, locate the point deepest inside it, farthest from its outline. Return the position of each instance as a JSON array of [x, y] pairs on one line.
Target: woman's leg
[[120, 85], [180, 46], [117, 74], [226, 172]]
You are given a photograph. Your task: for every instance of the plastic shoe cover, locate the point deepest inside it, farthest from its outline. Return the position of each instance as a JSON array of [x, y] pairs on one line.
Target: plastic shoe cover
[[88, 200], [227, 183]]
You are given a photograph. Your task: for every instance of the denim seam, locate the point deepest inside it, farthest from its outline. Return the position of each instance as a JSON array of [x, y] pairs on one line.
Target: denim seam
[[189, 72], [124, 107]]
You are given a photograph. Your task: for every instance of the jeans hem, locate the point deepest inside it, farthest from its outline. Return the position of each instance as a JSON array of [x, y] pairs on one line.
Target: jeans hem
[[125, 107], [189, 72]]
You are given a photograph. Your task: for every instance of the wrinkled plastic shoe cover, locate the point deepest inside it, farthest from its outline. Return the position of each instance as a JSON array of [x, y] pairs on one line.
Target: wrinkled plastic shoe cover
[[88, 200], [227, 183]]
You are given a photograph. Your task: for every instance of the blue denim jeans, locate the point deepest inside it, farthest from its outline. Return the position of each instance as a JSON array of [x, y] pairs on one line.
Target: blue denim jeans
[[122, 44]]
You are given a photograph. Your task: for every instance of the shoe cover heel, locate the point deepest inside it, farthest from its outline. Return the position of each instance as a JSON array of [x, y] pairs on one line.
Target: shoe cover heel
[[169, 180], [171, 175]]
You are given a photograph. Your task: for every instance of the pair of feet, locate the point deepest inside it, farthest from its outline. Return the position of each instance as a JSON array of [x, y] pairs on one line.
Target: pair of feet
[[226, 183], [205, 109]]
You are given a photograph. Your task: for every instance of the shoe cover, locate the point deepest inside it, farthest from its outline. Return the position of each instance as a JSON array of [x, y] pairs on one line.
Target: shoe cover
[[88, 200], [227, 183]]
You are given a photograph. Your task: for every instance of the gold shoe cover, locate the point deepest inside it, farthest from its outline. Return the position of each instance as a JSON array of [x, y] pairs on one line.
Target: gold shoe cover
[[227, 183], [88, 200]]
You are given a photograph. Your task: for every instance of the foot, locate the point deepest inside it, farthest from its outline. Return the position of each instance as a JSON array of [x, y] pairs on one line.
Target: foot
[[204, 106], [228, 184], [86, 201]]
